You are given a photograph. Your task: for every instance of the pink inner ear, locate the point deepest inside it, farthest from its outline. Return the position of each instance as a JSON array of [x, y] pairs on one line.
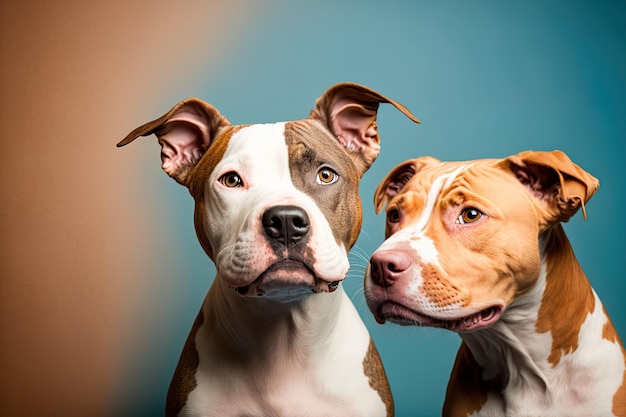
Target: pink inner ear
[[393, 183], [355, 125], [395, 186], [549, 186], [532, 184], [552, 177], [542, 182], [183, 138], [182, 147]]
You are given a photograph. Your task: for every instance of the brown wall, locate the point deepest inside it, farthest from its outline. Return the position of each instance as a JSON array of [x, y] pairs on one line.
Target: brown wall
[[75, 77]]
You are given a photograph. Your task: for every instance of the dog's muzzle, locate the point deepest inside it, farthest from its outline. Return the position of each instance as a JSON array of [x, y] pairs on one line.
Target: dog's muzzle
[[287, 229]]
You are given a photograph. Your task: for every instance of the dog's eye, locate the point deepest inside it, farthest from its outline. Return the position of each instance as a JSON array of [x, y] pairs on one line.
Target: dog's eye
[[326, 176], [231, 180], [393, 216], [469, 215]]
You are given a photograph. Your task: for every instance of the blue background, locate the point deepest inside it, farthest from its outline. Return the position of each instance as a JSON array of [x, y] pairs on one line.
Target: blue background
[[486, 78]]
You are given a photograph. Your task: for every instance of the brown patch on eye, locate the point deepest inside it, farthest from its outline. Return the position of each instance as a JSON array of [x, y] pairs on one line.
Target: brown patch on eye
[[198, 177], [196, 181], [377, 378], [311, 147], [564, 279], [439, 289]]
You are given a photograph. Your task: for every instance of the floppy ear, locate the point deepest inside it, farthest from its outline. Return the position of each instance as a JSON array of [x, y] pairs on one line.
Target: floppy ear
[[184, 133], [395, 181], [558, 185], [349, 111]]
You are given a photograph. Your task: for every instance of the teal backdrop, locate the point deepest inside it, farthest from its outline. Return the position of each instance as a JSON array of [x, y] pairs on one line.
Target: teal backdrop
[[486, 78]]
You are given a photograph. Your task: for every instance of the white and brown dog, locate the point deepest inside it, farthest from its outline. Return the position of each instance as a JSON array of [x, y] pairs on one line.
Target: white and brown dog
[[477, 247], [277, 209]]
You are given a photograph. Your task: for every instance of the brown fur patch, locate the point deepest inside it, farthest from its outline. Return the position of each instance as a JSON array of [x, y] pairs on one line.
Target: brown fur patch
[[565, 279], [198, 176], [619, 399], [439, 289], [608, 331], [466, 392], [310, 147], [375, 373], [197, 179], [184, 379]]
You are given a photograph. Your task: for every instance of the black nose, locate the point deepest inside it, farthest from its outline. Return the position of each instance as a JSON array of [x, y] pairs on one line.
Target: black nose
[[286, 224]]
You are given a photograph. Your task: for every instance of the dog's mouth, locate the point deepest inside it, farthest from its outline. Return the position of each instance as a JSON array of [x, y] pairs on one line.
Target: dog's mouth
[[286, 281], [400, 314]]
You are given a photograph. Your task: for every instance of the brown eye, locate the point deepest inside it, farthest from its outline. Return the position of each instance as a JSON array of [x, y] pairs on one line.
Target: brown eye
[[326, 176], [393, 216], [231, 180], [469, 215]]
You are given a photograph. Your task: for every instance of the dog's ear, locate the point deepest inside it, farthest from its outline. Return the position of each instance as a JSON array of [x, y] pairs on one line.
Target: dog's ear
[[349, 110], [559, 186], [395, 181], [184, 133]]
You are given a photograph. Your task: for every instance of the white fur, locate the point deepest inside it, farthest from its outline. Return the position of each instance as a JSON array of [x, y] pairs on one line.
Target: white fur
[[305, 384], [582, 384]]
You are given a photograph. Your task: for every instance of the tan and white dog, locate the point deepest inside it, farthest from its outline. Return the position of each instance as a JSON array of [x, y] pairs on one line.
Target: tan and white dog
[[277, 209], [477, 247]]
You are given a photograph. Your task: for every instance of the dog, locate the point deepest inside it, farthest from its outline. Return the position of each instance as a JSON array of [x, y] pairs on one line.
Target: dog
[[478, 248], [277, 209]]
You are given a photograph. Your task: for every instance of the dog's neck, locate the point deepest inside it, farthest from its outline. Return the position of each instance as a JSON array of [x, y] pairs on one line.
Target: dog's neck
[[259, 328], [520, 352]]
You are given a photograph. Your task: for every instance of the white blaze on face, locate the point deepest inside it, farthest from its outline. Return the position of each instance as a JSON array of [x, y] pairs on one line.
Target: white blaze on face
[[424, 250], [441, 183], [259, 156]]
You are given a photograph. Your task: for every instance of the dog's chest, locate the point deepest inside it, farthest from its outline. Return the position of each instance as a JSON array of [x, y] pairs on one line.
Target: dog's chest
[[285, 395], [581, 384], [323, 380]]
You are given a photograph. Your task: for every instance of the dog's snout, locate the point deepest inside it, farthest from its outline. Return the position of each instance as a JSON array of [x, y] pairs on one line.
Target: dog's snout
[[387, 266], [286, 224]]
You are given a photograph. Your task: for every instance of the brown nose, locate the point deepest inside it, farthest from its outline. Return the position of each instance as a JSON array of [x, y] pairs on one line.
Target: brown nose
[[386, 266]]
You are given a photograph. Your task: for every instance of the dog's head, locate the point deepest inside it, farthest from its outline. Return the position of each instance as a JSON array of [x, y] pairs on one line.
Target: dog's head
[[462, 238], [276, 205]]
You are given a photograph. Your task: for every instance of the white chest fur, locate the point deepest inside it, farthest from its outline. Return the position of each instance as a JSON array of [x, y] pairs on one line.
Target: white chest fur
[[282, 381]]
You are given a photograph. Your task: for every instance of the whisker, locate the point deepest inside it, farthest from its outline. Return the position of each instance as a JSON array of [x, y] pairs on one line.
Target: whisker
[[359, 254], [364, 234]]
